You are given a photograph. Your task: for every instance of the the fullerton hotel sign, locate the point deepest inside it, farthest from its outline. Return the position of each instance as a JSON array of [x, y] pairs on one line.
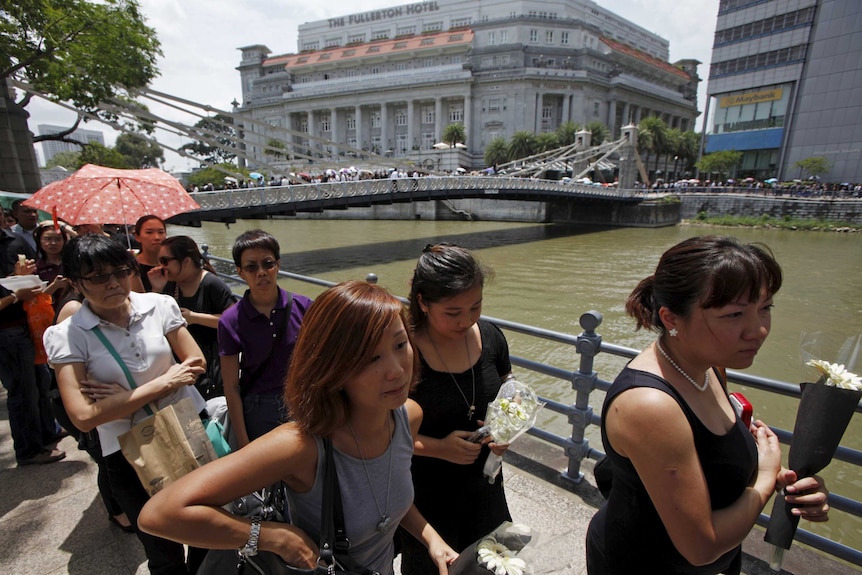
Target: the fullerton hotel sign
[[384, 14]]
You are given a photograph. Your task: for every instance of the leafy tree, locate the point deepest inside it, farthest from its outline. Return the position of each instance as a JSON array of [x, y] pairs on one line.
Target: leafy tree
[[212, 175], [68, 160], [217, 140], [721, 163], [566, 133], [496, 152], [139, 152], [689, 149], [95, 153], [599, 133], [454, 133], [276, 149], [521, 145], [547, 141], [77, 51], [813, 166]]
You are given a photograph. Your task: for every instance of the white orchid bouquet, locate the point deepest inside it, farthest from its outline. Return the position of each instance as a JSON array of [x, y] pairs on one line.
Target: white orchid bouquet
[[510, 415], [825, 410]]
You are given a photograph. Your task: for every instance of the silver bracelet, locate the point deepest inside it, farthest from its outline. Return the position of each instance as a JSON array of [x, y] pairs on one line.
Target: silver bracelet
[[250, 549]]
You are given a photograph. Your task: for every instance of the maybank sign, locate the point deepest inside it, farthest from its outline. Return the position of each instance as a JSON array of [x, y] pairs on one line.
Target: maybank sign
[[750, 98]]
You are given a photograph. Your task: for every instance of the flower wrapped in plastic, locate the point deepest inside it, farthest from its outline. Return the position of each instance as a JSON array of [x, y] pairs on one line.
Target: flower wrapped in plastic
[[825, 410], [511, 414]]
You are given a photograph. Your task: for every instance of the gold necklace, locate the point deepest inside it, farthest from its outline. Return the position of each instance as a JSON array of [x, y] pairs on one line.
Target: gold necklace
[[684, 374], [385, 520], [470, 404]]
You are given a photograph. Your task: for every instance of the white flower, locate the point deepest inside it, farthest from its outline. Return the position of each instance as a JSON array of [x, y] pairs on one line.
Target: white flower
[[499, 558], [836, 375]]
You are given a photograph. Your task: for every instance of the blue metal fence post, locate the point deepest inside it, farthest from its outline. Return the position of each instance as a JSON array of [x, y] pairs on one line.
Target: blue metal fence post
[[583, 382]]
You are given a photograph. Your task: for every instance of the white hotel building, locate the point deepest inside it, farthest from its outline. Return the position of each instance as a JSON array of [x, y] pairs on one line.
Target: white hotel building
[[390, 80]]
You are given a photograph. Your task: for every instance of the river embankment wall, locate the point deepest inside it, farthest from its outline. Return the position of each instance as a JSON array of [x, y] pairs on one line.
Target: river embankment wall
[[724, 204]]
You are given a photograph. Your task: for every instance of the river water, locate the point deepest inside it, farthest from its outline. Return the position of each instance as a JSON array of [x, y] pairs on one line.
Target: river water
[[548, 275]]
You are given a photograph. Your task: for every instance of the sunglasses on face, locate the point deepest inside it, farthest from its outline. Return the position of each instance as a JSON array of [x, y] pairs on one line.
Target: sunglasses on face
[[119, 274], [265, 264], [165, 260]]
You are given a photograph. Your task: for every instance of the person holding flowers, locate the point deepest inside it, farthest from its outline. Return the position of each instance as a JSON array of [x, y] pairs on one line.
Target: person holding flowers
[[464, 362], [689, 478]]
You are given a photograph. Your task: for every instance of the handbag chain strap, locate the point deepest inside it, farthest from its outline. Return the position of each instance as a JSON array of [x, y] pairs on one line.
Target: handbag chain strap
[[122, 363]]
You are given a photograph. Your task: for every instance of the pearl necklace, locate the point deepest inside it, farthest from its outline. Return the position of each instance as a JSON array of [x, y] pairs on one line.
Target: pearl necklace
[[471, 405], [385, 520], [684, 374]]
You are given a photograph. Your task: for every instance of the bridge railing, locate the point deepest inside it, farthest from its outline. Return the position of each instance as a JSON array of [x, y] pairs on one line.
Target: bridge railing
[[248, 197], [585, 380]]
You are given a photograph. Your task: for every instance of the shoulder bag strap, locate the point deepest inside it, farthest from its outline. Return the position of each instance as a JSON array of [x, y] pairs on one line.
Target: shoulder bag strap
[[282, 331], [117, 357], [327, 518]]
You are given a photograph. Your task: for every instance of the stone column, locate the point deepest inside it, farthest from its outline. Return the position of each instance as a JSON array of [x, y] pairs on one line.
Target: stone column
[[333, 131], [537, 125], [411, 121], [384, 127], [357, 114], [567, 106], [438, 119], [628, 160], [468, 121]]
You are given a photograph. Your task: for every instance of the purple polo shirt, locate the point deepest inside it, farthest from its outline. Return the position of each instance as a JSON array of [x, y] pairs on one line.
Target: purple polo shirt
[[244, 331]]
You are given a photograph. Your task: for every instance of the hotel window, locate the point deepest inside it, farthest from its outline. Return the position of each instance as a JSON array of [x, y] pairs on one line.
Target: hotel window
[[547, 112], [351, 142], [401, 143], [427, 42], [373, 49], [429, 115], [375, 119], [405, 30], [351, 121], [564, 38], [494, 104], [432, 27], [303, 126], [456, 113], [492, 38], [549, 36], [504, 36], [534, 36], [399, 45], [401, 117], [427, 140], [324, 124], [310, 46], [375, 144], [355, 38], [380, 35], [333, 42], [456, 59], [460, 22]]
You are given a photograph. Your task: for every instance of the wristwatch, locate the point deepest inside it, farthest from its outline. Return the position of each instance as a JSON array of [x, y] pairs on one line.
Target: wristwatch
[[250, 549]]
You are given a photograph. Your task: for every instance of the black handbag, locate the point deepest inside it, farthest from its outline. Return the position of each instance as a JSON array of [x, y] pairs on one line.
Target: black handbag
[[334, 544]]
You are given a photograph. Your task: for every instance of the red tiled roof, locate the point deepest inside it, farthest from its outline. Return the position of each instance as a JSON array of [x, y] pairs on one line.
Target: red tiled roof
[[355, 51], [644, 57]]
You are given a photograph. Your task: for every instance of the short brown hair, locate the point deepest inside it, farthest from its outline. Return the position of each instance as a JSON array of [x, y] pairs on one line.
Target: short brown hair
[[337, 339]]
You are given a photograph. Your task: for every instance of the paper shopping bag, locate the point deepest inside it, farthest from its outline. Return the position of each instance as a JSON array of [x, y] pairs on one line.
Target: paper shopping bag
[[167, 445]]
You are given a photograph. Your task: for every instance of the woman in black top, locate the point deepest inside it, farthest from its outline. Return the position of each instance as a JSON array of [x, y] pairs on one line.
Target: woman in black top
[[689, 478]]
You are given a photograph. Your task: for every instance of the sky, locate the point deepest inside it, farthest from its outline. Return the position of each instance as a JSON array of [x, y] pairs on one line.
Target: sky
[[200, 39]]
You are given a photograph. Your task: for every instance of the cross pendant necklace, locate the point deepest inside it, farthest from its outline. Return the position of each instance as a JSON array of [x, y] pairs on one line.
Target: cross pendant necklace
[[471, 405]]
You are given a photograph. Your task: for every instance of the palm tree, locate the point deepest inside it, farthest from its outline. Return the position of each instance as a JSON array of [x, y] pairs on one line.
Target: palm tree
[[599, 132], [547, 141], [496, 152], [521, 145], [454, 134], [566, 133], [689, 150], [658, 130]]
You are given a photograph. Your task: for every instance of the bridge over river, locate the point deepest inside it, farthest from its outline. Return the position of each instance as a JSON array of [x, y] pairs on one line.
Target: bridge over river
[[230, 205]]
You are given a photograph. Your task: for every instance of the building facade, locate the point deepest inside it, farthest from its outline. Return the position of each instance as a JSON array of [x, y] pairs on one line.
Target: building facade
[[389, 81], [784, 86], [51, 148]]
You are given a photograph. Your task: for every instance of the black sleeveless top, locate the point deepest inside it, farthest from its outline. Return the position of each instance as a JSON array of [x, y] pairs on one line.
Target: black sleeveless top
[[627, 534]]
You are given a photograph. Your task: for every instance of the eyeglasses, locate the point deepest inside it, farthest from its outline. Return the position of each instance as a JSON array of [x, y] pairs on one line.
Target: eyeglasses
[[165, 261], [119, 274], [253, 267]]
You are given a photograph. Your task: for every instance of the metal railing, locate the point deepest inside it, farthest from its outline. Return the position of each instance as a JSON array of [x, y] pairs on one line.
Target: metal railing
[[588, 344]]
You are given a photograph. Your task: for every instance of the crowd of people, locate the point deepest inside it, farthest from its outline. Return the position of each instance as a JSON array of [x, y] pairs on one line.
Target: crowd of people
[[397, 392]]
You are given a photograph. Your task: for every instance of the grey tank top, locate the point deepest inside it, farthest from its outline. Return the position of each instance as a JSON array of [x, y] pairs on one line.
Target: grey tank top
[[369, 547]]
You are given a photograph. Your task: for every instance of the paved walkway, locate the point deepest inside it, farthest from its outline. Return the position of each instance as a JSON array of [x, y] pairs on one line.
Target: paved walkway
[[52, 521]]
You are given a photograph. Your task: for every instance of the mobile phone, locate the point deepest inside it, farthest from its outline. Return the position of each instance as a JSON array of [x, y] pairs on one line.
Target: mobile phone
[[480, 434], [742, 407]]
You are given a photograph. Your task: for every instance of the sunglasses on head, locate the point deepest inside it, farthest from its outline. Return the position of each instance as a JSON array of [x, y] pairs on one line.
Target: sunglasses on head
[[265, 264], [119, 274]]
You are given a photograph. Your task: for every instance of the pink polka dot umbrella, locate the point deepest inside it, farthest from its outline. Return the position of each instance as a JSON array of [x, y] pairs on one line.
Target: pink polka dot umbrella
[[99, 195]]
